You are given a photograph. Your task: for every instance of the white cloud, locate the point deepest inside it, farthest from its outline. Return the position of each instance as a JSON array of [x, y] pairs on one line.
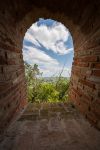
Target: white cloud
[[34, 55], [47, 64], [52, 38], [30, 38], [55, 70]]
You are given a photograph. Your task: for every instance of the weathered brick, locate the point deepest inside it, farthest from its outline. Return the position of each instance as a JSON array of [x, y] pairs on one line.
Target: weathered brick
[[4, 86], [9, 48], [81, 64], [3, 61], [95, 65], [85, 28], [92, 117], [87, 59], [11, 62], [77, 91], [88, 83], [96, 73]]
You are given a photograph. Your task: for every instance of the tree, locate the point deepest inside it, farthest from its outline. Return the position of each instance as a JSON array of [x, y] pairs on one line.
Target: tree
[[31, 74], [40, 90]]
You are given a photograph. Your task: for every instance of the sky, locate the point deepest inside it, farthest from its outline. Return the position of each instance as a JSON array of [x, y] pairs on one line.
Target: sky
[[49, 44]]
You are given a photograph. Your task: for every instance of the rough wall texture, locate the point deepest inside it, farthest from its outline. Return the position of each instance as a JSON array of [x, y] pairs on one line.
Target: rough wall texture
[[82, 19]]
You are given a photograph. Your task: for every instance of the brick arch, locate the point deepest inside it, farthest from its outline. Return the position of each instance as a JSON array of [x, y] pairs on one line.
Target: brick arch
[[82, 19]]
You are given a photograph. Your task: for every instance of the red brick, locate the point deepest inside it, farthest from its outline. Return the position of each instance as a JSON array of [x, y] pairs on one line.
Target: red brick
[[11, 62], [88, 83], [4, 86], [78, 92], [87, 59], [83, 107], [96, 107], [92, 117], [95, 65], [86, 99], [9, 48], [96, 73], [81, 64]]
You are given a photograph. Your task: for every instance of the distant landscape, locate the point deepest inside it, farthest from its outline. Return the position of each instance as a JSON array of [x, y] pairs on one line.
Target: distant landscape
[[48, 79], [45, 89]]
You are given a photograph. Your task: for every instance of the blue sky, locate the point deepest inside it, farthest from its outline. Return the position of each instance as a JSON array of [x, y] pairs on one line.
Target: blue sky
[[48, 43]]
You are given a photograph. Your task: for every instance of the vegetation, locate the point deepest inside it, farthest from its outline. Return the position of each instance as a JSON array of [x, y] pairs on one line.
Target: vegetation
[[39, 89]]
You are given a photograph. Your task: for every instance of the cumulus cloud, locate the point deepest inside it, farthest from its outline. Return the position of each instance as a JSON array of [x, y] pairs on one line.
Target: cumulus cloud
[[51, 37], [34, 55], [47, 64]]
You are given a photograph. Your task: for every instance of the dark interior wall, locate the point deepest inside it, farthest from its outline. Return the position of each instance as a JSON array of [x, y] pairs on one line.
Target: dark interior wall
[[12, 81], [82, 19]]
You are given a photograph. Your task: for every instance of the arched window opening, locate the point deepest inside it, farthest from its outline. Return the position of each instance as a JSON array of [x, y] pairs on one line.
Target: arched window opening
[[48, 55]]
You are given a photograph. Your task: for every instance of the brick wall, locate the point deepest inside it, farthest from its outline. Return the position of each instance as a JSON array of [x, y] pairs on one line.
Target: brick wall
[[82, 19], [12, 84], [85, 80]]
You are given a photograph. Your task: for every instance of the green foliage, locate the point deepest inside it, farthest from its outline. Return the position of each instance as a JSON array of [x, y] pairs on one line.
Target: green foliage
[[40, 90], [47, 92], [31, 74], [62, 87]]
